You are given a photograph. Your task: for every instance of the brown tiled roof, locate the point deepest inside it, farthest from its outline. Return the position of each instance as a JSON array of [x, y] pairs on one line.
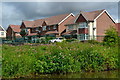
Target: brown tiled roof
[[15, 28], [90, 16], [38, 22], [52, 32], [70, 32], [49, 21], [55, 19], [29, 23], [72, 20]]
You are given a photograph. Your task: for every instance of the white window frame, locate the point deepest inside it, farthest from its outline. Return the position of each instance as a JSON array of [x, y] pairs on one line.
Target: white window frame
[[83, 25], [54, 27], [85, 37], [2, 33], [44, 28]]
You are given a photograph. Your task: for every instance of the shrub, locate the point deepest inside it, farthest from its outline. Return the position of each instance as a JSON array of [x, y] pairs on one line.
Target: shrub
[[93, 41], [111, 37], [58, 58]]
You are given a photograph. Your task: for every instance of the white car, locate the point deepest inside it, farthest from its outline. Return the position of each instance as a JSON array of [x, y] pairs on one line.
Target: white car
[[56, 40]]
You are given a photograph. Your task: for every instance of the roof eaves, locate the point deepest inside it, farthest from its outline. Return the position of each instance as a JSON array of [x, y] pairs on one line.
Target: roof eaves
[[66, 18]]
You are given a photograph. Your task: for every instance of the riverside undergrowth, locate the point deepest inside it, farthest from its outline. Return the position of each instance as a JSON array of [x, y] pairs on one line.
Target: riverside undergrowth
[[62, 57]]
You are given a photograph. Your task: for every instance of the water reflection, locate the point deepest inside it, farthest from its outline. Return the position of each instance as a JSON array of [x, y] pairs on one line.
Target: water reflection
[[104, 74]]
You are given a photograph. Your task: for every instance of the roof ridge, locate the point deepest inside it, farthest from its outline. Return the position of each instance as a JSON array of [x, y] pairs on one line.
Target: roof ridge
[[97, 10], [52, 16]]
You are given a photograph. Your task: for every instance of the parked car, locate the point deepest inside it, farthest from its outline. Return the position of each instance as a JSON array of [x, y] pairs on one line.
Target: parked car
[[59, 39]]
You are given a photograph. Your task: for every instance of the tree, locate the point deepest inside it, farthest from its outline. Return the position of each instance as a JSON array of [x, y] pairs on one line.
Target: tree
[[111, 37]]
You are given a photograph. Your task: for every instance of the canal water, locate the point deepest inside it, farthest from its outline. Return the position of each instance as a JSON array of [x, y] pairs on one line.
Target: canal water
[[103, 74]]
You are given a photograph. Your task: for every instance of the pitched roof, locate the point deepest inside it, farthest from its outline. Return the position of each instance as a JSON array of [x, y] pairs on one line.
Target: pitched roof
[[49, 21], [38, 22], [90, 16], [2, 29], [55, 19], [15, 28], [72, 20], [28, 23]]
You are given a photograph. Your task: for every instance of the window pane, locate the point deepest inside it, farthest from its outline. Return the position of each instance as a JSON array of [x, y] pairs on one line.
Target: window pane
[[2, 33], [44, 28], [83, 25], [82, 36], [54, 27]]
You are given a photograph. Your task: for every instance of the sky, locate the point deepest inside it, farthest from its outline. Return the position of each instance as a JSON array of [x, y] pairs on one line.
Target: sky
[[14, 12]]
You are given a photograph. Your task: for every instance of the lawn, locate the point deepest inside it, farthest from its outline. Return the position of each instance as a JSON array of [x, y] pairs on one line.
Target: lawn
[[25, 60]]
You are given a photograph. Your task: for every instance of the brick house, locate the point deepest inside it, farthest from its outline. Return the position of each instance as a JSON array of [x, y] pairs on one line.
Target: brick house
[[13, 31], [2, 32], [90, 25], [118, 28], [54, 25]]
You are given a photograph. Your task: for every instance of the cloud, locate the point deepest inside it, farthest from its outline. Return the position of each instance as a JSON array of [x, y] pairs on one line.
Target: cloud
[[15, 12]]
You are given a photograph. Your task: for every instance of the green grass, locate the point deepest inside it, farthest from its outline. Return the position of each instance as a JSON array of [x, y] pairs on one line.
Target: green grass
[[57, 58]]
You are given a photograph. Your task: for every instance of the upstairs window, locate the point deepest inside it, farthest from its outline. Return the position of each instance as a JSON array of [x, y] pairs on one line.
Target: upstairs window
[[37, 29], [49, 28], [44, 28], [26, 30], [2, 33], [83, 25], [70, 28], [54, 27]]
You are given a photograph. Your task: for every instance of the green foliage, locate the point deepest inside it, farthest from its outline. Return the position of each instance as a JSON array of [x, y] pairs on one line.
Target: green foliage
[[58, 58], [111, 37], [93, 42], [71, 40]]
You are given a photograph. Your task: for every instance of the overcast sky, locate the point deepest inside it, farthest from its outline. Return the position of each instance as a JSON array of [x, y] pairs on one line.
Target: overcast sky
[[15, 12]]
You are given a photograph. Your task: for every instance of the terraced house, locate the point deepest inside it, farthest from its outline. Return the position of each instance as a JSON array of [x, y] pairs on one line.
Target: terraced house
[[51, 26], [13, 32], [90, 25], [118, 28], [84, 26]]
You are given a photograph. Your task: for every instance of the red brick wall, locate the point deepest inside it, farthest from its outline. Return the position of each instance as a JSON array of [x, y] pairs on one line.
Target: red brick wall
[[10, 34], [62, 26], [103, 23]]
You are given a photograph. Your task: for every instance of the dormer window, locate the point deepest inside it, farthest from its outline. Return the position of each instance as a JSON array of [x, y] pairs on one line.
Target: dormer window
[[44, 28], [54, 27]]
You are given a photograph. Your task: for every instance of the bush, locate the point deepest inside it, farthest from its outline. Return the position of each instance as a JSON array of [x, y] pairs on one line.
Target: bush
[[93, 42], [71, 40], [111, 37], [62, 58]]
